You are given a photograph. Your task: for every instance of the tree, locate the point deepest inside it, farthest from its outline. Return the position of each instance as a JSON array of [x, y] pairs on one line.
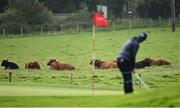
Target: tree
[[3, 5], [33, 11], [177, 7], [117, 7], [173, 16], [61, 6], [27, 14], [154, 9]]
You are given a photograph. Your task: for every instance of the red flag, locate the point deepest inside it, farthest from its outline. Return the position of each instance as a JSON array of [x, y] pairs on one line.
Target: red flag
[[99, 20]]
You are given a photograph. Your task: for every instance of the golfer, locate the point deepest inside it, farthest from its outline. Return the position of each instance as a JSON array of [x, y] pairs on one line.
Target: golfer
[[126, 60]]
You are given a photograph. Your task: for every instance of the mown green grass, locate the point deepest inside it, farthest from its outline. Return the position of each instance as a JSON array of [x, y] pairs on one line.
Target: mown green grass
[[10, 90], [76, 49], [164, 97]]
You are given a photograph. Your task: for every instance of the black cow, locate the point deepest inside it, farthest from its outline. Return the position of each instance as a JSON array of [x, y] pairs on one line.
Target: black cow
[[9, 65], [139, 65], [142, 63]]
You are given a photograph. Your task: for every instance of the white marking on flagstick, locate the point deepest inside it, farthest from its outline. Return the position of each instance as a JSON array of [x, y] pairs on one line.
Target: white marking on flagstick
[[93, 58], [93, 32]]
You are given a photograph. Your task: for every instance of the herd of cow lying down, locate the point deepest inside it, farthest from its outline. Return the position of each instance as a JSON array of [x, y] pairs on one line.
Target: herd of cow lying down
[[55, 65]]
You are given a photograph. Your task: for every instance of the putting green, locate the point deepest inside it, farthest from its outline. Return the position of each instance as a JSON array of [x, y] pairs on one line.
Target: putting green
[[7, 90]]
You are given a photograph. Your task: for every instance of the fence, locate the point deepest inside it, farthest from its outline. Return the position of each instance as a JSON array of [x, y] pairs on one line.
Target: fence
[[76, 27], [67, 79]]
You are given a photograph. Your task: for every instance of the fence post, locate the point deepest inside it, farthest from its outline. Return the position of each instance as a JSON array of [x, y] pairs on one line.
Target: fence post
[[130, 24], [160, 19], [4, 31], [62, 29], [21, 31], [72, 27], [151, 21], [169, 23], [54, 32], [41, 29], [77, 27], [71, 78], [143, 21], [10, 76], [113, 25]]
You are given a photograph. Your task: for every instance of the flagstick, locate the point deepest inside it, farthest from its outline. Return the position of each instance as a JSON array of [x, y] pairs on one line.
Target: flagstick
[[93, 57], [145, 85]]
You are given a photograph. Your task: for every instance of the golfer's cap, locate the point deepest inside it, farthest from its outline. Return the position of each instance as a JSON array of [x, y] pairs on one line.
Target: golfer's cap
[[143, 35]]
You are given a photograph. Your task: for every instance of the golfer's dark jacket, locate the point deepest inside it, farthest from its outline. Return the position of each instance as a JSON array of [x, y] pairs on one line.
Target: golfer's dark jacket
[[129, 51]]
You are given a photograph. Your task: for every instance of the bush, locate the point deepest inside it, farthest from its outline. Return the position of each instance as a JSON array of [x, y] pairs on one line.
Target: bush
[[34, 12], [26, 14], [69, 21], [12, 20]]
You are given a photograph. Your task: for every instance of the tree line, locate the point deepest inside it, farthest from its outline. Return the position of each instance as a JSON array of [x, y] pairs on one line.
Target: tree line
[[145, 8], [31, 14], [26, 14]]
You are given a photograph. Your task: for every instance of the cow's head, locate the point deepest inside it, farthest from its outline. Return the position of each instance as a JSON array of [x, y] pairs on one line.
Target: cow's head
[[51, 61], [4, 62], [147, 61], [97, 62]]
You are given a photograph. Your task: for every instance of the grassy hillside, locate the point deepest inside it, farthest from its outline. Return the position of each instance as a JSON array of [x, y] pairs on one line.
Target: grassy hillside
[[76, 49]]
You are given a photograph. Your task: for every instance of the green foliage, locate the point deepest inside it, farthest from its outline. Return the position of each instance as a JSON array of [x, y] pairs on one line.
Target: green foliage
[[61, 6], [33, 11], [26, 14], [72, 21], [155, 8], [117, 7], [12, 20], [3, 5]]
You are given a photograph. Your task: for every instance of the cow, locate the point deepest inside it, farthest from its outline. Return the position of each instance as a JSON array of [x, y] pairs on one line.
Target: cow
[[158, 62], [32, 65], [139, 65], [9, 65], [55, 65], [142, 63], [103, 64], [150, 62]]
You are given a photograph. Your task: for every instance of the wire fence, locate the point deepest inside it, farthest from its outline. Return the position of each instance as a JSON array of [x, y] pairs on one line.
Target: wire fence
[[106, 80], [77, 27]]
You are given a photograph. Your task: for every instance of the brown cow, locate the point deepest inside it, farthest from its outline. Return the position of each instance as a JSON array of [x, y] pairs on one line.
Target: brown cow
[[55, 65], [158, 62], [32, 65], [104, 64]]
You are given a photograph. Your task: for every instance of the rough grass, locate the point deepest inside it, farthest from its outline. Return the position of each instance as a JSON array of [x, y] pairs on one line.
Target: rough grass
[[76, 49]]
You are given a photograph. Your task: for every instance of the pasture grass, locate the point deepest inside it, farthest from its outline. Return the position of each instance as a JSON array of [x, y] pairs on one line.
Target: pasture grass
[[76, 49]]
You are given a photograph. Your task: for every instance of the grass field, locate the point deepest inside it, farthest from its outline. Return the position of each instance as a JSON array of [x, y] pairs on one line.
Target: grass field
[[57, 88], [168, 97], [51, 91]]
